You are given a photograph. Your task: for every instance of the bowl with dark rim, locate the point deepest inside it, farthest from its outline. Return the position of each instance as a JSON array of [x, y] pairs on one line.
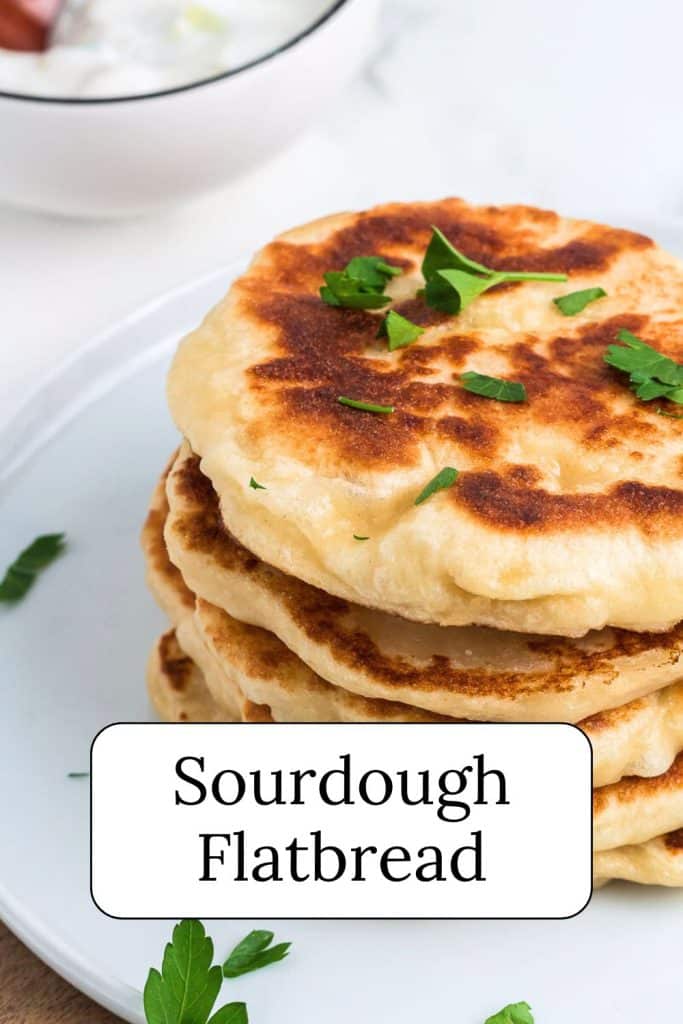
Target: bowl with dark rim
[[127, 155]]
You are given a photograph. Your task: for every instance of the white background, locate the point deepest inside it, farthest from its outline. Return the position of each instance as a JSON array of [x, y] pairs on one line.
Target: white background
[[574, 106], [147, 855]]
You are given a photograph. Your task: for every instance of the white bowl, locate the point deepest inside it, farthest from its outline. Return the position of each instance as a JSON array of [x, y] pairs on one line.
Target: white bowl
[[125, 156]]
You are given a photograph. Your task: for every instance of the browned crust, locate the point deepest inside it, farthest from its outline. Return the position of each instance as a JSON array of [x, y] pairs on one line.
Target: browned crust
[[261, 655], [320, 352], [498, 236], [319, 614], [633, 787], [256, 712], [497, 498], [607, 720], [155, 547], [175, 665], [674, 842]]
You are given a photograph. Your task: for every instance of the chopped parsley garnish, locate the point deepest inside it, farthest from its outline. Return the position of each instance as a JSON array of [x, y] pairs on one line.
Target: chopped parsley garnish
[[453, 281], [360, 285], [365, 406], [443, 479], [576, 302], [493, 387], [398, 330], [186, 988], [256, 486], [358, 537], [23, 572], [451, 291], [671, 415], [441, 255], [254, 952], [514, 1013], [651, 374]]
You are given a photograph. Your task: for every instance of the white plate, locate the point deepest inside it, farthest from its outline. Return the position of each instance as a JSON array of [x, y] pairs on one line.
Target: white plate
[[82, 457]]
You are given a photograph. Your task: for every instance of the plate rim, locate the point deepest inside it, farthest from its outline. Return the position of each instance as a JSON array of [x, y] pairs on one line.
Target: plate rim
[[23, 435]]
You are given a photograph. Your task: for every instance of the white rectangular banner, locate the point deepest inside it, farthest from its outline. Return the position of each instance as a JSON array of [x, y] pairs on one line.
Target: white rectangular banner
[[341, 821]]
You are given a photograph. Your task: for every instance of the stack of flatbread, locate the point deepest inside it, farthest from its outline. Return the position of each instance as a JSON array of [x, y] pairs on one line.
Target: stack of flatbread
[[304, 580]]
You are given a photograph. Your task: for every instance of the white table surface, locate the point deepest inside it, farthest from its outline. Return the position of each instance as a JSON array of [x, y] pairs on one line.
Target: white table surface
[[577, 109]]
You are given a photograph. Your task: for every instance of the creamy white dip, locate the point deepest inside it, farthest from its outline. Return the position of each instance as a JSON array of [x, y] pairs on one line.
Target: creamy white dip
[[114, 48]]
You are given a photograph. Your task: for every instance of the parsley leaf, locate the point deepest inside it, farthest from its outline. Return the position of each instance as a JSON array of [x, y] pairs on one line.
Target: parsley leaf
[[231, 1013], [441, 255], [398, 330], [352, 403], [651, 374], [22, 573], [360, 285], [453, 280], [514, 1013], [451, 291], [256, 486], [253, 953], [671, 415], [493, 387], [371, 271], [445, 478], [185, 990], [576, 302]]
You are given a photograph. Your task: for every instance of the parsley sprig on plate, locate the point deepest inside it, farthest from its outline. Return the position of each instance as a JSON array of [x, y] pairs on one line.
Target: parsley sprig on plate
[[24, 570], [186, 989], [651, 374], [360, 285], [513, 1013], [253, 952], [453, 281]]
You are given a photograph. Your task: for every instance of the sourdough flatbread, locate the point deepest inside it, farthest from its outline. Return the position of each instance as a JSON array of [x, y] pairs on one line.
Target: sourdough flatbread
[[178, 690], [463, 672], [242, 663], [568, 512], [635, 810], [657, 862]]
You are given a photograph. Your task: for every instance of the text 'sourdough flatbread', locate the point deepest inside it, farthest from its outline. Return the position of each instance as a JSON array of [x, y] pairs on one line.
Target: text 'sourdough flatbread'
[[463, 672], [568, 511], [242, 663]]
